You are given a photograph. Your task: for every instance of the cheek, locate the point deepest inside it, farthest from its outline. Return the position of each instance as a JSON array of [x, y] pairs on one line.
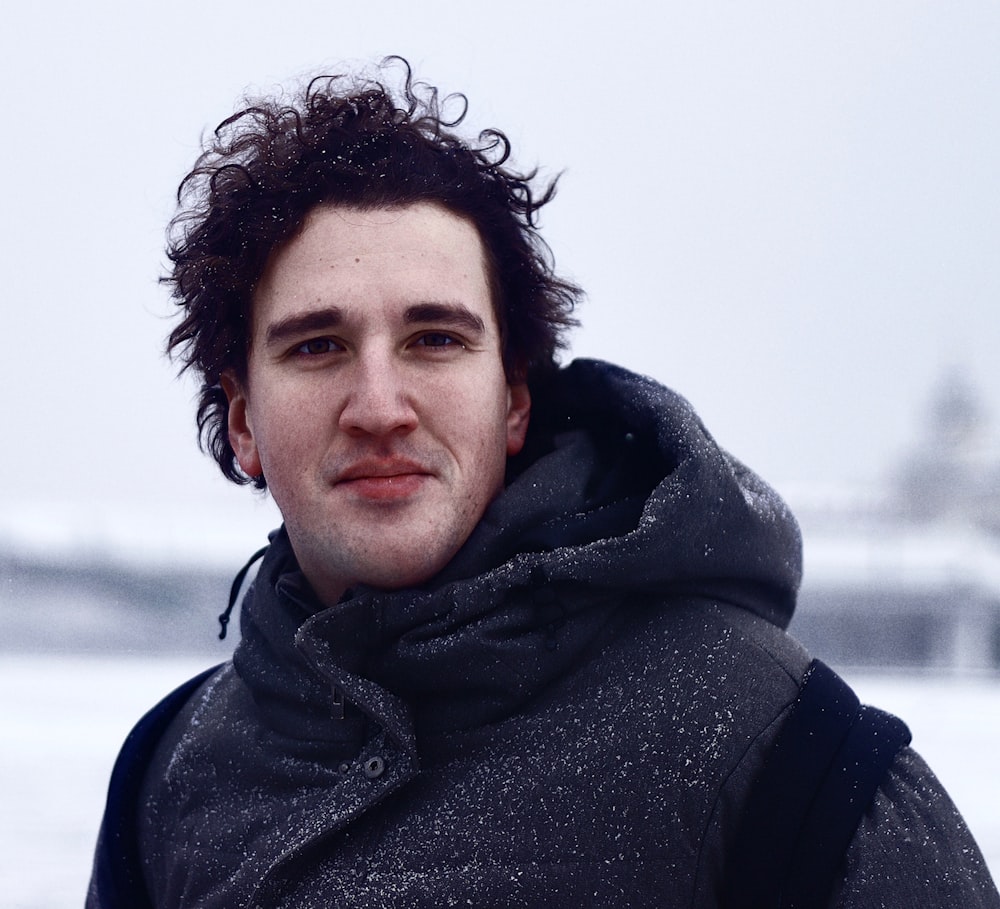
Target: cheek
[[483, 417], [285, 437], [491, 448]]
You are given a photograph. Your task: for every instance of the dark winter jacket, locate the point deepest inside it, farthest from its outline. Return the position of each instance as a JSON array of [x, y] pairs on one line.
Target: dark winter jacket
[[571, 714]]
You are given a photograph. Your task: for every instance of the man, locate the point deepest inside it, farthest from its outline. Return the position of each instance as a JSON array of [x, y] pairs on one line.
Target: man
[[519, 641]]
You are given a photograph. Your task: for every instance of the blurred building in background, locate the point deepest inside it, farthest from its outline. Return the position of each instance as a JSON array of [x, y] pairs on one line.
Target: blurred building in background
[[908, 575]]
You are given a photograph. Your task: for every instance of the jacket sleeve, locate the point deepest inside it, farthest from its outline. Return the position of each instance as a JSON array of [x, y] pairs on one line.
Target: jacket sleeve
[[912, 848]]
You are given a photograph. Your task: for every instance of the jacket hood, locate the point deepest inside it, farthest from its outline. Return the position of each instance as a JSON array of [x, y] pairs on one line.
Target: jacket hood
[[621, 486], [620, 500]]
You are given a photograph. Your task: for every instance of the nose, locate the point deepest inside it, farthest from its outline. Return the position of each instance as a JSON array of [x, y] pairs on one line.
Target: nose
[[379, 398]]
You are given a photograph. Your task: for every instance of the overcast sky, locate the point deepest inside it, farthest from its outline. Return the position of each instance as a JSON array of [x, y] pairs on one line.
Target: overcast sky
[[788, 211]]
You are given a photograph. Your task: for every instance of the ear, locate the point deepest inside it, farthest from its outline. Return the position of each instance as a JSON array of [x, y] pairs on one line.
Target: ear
[[518, 412], [239, 426]]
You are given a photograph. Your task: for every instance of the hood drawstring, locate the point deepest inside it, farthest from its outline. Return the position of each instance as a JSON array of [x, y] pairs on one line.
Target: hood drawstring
[[234, 591]]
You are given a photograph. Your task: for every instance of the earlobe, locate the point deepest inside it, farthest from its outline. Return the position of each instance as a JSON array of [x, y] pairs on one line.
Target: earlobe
[[518, 414], [239, 426]]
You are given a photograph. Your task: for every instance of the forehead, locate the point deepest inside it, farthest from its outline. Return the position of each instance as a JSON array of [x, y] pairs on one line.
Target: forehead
[[343, 256]]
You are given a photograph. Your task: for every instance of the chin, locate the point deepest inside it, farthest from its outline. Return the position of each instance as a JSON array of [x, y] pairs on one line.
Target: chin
[[400, 578]]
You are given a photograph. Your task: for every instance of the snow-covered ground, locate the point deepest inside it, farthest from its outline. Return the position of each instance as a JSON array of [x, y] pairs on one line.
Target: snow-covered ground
[[64, 717], [62, 720]]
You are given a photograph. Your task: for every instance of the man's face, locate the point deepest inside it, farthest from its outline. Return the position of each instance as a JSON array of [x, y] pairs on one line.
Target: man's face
[[376, 404]]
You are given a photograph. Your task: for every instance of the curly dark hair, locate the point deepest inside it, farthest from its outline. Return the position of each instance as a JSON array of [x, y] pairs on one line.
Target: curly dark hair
[[351, 141]]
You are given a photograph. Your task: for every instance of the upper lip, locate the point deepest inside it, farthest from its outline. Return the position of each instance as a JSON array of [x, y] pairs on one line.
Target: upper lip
[[378, 467]]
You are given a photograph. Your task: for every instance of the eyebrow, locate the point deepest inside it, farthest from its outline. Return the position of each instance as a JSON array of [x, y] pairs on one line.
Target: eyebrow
[[447, 314], [296, 325], [453, 315]]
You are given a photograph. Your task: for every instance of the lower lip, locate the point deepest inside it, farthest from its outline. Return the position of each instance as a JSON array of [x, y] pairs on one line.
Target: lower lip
[[385, 489]]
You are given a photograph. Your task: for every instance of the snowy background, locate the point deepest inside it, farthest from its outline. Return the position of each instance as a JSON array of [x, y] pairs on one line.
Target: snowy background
[[787, 211]]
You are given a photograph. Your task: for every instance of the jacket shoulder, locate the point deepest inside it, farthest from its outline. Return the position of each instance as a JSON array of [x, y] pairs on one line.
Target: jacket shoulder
[[913, 848], [117, 879]]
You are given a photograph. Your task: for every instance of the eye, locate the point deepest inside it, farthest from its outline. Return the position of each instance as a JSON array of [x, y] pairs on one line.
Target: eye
[[438, 339], [316, 346]]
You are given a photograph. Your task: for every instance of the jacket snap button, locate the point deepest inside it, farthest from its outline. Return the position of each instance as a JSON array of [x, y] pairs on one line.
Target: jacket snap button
[[374, 767]]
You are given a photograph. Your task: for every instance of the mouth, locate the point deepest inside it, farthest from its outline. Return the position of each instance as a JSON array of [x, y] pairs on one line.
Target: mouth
[[383, 479]]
